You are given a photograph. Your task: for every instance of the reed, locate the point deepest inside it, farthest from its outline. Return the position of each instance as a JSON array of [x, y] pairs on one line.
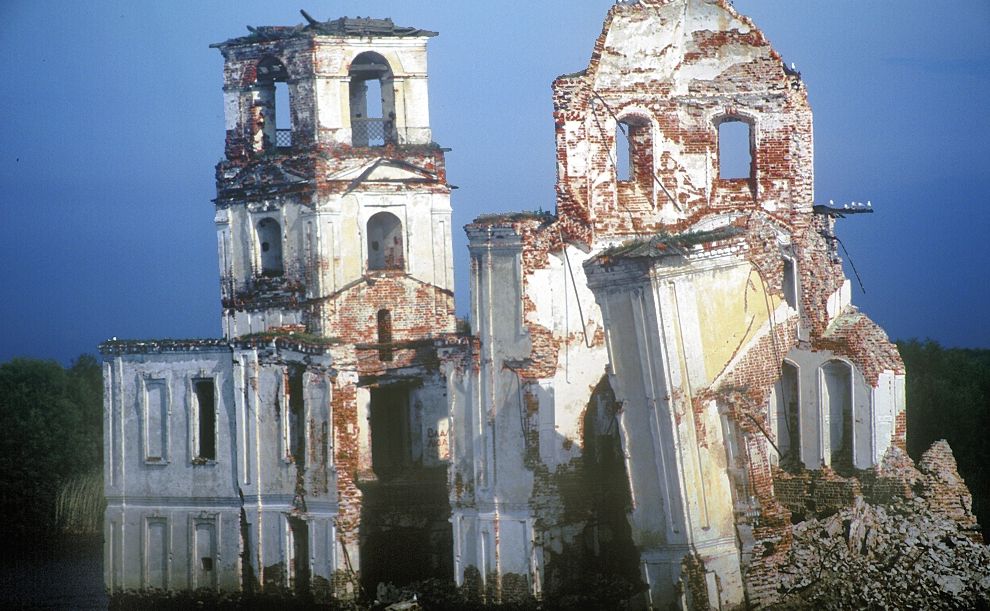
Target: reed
[[80, 504]]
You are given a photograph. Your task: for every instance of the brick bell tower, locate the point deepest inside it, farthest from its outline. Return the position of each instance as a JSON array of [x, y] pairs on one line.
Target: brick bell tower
[[333, 225]]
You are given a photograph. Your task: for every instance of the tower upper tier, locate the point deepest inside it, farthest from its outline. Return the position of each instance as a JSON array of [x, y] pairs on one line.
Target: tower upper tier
[[347, 83]]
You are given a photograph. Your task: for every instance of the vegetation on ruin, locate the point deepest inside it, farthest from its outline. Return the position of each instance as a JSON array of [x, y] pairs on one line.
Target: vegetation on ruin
[[292, 336], [665, 243], [541, 215]]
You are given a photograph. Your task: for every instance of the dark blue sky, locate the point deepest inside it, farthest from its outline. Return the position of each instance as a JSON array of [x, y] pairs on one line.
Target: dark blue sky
[[112, 124]]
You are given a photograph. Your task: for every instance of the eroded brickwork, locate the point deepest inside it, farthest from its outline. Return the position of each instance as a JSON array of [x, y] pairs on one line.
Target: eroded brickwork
[[665, 393], [751, 392]]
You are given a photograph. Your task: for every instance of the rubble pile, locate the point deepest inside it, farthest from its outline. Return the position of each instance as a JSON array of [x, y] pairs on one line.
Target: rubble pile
[[917, 551]]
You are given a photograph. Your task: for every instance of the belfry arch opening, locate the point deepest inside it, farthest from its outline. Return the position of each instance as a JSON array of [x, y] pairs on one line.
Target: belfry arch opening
[[372, 101], [385, 243], [270, 247], [274, 104]]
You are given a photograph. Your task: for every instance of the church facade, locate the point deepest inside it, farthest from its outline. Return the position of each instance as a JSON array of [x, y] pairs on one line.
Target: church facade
[[657, 378]]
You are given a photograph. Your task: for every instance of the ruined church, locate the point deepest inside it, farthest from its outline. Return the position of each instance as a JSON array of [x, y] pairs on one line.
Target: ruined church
[[656, 380]]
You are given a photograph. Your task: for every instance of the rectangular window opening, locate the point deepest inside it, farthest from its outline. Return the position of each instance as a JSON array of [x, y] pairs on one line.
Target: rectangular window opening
[[156, 420], [206, 447], [283, 115], [391, 453], [299, 572], [790, 283], [735, 152], [385, 352], [156, 554], [206, 551], [296, 417]]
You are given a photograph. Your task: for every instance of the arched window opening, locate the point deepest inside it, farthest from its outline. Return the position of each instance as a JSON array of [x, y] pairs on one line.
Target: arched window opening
[[623, 152], [270, 247], [786, 394], [837, 405], [275, 105], [372, 101], [735, 149], [384, 335], [789, 282], [634, 152], [385, 249]]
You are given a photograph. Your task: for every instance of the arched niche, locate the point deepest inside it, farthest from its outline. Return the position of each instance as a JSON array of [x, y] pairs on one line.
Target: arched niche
[[270, 247], [385, 242]]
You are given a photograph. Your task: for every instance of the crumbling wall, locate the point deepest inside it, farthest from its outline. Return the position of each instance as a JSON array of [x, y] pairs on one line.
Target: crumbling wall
[[661, 238], [418, 310], [682, 67]]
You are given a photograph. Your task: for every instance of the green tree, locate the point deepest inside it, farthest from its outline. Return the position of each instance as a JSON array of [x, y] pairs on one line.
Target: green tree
[[948, 397], [50, 432]]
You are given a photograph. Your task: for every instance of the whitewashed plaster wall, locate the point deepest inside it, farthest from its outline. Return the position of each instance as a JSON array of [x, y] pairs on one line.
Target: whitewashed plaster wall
[[342, 221], [166, 511], [873, 409], [406, 57], [682, 498]]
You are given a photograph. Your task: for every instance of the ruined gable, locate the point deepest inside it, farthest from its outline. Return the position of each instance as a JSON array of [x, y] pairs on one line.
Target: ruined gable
[[712, 297], [663, 80]]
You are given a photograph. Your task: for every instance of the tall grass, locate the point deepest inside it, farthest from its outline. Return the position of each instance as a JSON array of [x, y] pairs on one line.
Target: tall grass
[[79, 505]]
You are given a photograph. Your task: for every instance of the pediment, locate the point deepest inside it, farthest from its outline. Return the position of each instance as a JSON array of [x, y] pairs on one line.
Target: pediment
[[384, 170], [264, 174]]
